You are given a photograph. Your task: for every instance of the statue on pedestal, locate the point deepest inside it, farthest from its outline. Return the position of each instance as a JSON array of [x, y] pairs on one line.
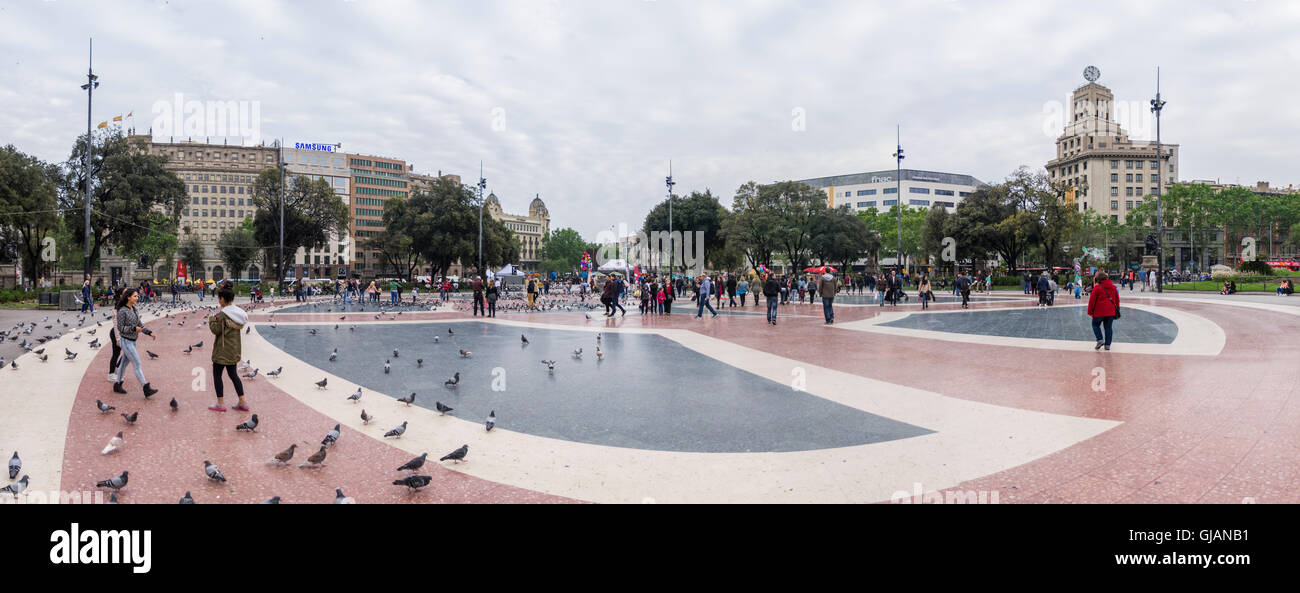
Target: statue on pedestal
[[1152, 244]]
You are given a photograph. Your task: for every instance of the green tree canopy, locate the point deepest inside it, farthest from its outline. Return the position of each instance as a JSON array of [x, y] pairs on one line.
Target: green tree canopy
[[561, 251], [28, 205], [313, 213]]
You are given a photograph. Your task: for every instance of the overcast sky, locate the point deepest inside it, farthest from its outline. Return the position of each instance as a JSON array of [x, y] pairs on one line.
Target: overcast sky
[[585, 102]]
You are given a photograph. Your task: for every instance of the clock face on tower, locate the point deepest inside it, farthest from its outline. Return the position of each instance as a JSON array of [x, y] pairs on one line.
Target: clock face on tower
[[1091, 73]]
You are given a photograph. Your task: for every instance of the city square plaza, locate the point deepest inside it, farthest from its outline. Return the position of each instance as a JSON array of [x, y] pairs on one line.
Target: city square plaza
[[1004, 402]]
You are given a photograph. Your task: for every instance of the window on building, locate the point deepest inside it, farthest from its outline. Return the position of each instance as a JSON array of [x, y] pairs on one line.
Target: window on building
[[1128, 177], [866, 204], [918, 202], [1128, 204], [1114, 177], [1114, 204], [1114, 218], [1114, 164], [1153, 191], [1138, 164], [866, 192], [919, 190], [1128, 164], [1114, 191], [889, 202], [1139, 178], [847, 194], [963, 193], [943, 192], [891, 190], [1128, 191]]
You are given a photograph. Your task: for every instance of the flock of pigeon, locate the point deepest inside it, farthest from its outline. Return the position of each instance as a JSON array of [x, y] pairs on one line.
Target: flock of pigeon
[[171, 314]]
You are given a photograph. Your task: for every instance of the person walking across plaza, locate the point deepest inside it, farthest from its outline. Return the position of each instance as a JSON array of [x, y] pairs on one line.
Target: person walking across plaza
[[827, 286], [86, 300], [923, 291], [742, 289], [772, 292], [1103, 308], [1044, 286], [963, 287], [492, 294], [227, 347], [706, 286], [129, 329], [117, 345]]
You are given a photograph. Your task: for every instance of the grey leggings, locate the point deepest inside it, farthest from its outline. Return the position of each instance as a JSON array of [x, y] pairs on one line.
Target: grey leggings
[[130, 356]]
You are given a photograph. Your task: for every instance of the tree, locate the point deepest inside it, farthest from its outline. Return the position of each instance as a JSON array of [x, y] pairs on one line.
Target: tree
[[28, 203], [191, 252], [237, 248], [441, 220], [561, 251], [933, 232], [885, 225], [129, 184], [694, 213], [841, 237], [312, 213], [997, 219], [751, 227]]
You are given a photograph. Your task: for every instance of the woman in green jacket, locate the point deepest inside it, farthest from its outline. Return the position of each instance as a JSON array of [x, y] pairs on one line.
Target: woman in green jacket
[[227, 348]]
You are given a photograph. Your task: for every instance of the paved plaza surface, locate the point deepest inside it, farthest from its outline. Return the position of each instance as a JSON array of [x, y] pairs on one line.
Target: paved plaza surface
[[1196, 402]]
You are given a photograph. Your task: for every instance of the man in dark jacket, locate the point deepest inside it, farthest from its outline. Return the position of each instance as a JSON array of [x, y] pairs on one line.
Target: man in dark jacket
[[86, 300], [963, 286], [731, 291], [771, 290], [478, 297]]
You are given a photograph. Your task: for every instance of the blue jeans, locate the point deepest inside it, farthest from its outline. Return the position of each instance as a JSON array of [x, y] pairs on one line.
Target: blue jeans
[[394, 297], [827, 310], [1097, 322], [704, 302], [129, 355], [772, 302]]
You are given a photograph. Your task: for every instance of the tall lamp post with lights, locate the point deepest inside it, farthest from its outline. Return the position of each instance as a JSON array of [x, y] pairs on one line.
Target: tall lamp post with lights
[[898, 201], [482, 184], [668, 181], [92, 82], [1157, 105]]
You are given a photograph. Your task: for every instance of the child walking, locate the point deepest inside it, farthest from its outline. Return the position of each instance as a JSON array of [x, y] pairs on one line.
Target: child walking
[[227, 347]]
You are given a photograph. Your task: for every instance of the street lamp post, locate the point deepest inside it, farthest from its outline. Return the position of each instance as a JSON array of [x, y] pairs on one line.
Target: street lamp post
[[92, 82], [482, 184], [1157, 104], [281, 164], [671, 244], [898, 202]]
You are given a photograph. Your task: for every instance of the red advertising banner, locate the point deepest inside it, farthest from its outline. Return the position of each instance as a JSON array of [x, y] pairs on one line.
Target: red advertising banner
[[180, 272]]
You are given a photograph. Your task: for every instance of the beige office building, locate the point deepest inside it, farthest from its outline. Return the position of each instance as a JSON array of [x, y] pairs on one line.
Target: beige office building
[[1110, 173], [529, 230]]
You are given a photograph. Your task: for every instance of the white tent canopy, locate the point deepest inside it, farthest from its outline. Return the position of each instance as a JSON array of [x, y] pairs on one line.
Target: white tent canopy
[[615, 265], [509, 270]]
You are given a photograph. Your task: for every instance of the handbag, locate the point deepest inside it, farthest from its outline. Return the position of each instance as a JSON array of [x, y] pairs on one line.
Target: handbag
[[1112, 301]]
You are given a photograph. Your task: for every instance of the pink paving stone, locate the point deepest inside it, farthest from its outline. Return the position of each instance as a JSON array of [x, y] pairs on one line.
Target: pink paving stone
[[1090, 490], [1232, 491], [165, 451], [1180, 486], [1129, 473]]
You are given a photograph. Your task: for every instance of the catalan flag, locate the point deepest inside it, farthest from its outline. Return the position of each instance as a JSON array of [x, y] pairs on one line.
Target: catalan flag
[[118, 118], [102, 124], [132, 114]]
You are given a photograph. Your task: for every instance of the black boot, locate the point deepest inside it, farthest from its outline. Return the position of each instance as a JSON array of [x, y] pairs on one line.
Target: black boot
[[117, 388], [149, 391]]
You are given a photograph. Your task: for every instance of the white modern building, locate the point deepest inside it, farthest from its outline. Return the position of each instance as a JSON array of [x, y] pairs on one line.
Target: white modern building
[[879, 189], [315, 162]]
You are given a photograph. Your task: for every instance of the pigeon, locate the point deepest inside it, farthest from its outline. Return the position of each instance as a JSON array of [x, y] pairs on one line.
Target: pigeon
[[458, 455], [599, 355], [175, 406], [199, 345], [18, 487], [435, 340], [187, 499], [340, 499], [550, 365], [272, 500], [13, 364], [491, 420], [419, 363], [112, 498], [396, 432], [249, 425], [212, 472], [414, 464], [465, 353], [356, 397], [247, 364], [284, 456], [132, 417], [249, 330], [413, 481], [114, 444], [117, 483], [394, 353], [39, 352], [366, 418], [321, 384], [523, 339], [388, 366], [442, 409], [252, 374], [333, 355], [317, 459], [15, 464], [44, 357], [453, 381], [276, 372], [312, 331], [450, 333], [189, 349], [103, 407], [577, 353], [70, 356], [95, 343]]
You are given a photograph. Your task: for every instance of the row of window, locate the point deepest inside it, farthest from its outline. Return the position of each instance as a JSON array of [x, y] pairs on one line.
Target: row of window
[[225, 178], [223, 189], [368, 222], [203, 200], [1128, 204], [378, 173], [216, 156], [369, 212], [216, 213], [360, 163], [915, 190], [390, 166], [374, 191], [1130, 191], [383, 182], [367, 201], [317, 159], [1129, 177]]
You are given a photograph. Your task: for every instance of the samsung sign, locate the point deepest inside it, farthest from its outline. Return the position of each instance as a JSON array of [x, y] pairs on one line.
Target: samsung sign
[[308, 146]]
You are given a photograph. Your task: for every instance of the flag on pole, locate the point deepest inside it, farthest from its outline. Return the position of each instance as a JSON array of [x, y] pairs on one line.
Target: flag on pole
[[132, 114], [102, 124], [118, 118]]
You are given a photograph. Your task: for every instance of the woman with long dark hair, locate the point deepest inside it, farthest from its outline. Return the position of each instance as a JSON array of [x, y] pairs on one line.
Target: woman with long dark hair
[[129, 327]]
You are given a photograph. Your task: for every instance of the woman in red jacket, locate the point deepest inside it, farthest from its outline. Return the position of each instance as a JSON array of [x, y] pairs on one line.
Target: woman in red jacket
[[1103, 307]]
